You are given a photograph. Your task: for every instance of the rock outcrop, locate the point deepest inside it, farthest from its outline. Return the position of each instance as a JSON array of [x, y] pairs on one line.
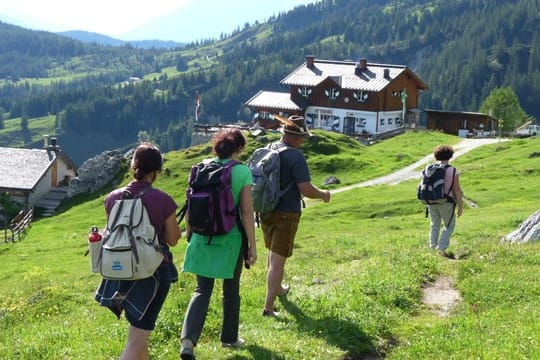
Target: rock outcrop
[[528, 231], [97, 172]]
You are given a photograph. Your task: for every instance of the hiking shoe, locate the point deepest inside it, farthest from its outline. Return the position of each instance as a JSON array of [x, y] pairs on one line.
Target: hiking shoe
[[270, 313], [284, 290], [237, 344], [187, 354], [446, 254]]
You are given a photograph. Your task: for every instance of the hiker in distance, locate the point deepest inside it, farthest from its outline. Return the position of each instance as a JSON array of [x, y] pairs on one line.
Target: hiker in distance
[[220, 256], [444, 212], [279, 226], [141, 300]]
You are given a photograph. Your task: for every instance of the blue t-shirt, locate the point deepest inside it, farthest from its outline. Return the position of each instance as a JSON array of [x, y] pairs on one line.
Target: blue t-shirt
[[293, 170]]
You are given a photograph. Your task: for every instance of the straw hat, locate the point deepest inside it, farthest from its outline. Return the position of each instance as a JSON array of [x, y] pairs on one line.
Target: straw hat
[[294, 125]]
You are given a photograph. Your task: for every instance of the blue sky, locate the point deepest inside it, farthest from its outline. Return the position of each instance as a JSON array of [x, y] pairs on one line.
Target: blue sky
[[179, 20]]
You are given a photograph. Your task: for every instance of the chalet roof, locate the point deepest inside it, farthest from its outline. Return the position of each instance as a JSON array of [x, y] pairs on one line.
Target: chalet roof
[[345, 73], [273, 100], [21, 169]]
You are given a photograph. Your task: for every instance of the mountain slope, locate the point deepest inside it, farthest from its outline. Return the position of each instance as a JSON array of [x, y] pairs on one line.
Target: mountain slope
[[462, 50]]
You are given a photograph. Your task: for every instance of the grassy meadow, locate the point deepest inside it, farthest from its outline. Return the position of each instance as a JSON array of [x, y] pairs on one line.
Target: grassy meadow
[[357, 272], [13, 135]]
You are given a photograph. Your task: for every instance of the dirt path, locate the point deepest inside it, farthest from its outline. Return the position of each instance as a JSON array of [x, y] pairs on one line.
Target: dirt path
[[440, 296], [412, 172]]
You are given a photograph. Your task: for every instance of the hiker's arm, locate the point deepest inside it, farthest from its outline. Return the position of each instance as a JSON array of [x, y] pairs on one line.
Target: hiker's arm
[[248, 220], [172, 230], [458, 195], [311, 191]]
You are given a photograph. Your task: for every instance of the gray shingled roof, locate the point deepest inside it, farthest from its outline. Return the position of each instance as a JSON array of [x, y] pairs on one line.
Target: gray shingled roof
[[21, 169], [273, 99], [343, 72]]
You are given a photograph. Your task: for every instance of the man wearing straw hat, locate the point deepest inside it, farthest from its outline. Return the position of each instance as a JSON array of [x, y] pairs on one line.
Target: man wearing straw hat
[[280, 225]]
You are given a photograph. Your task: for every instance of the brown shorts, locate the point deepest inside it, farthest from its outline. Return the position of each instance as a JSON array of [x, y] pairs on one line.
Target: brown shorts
[[279, 229]]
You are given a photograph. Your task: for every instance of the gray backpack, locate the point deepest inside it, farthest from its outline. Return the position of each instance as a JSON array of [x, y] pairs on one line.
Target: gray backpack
[[130, 249], [265, 166]]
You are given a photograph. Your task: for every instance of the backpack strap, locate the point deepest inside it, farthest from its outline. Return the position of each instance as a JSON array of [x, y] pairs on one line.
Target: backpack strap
[[448, 195], [280, 149], [453, 179]]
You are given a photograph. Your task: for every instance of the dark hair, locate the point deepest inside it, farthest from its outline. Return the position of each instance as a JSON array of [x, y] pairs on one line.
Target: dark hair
[[443, 152], [228, 141], [146, 159]]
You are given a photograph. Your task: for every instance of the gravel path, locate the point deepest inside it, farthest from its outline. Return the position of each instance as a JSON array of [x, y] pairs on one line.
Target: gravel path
[[412, 172]]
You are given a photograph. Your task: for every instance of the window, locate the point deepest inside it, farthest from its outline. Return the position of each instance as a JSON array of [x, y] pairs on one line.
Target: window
[[398, 121], [360, 96], [332, 94], [389, 121], [304, 91], [382, 122], [360, 122]]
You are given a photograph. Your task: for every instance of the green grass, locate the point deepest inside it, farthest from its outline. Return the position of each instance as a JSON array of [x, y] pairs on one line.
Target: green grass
[[12, 135], [356, 275]]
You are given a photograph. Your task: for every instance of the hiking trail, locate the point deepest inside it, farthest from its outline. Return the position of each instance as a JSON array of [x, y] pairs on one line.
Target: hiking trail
[[412, 171], [439, 296]]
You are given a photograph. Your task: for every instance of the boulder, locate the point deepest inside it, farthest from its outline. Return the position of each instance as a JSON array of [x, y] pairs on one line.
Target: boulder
[[331, 180], [97, 172], [528, 231]]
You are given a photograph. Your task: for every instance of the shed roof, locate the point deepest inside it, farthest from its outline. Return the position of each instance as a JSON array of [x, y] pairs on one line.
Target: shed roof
[[21, 169], [344, 73], [462, 113]]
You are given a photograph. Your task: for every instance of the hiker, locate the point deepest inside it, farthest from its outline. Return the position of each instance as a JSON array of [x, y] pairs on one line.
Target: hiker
[[141, 300], [221, 256], [444, 212], [279, 226]]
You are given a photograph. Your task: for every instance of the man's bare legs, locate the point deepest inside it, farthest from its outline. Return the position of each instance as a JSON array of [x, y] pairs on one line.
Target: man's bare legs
[[276, 270]]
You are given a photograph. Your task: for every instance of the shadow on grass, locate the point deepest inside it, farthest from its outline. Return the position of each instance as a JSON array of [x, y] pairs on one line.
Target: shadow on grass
[[340, 333], [258, 353]]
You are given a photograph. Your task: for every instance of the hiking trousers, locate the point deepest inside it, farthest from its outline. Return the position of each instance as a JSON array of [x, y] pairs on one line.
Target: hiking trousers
[[441, 213], [198, 307]]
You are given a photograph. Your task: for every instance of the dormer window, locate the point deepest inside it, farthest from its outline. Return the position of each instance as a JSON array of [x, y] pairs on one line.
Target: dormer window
[[304, 91], [361, 96], [332, 94]]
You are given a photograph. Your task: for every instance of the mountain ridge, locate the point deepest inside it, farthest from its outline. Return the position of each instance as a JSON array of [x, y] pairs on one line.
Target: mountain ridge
[[451, 46], [97, 38]]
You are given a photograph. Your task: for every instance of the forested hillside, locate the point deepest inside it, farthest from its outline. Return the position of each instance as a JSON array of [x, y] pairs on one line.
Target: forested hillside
[[461, 49]]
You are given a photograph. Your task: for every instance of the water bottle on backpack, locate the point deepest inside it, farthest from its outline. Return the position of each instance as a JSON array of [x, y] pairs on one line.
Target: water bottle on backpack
[[94, 247]]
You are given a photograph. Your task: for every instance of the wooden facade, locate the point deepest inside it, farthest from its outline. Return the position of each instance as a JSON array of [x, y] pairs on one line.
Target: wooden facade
[[464, 124], [349, 97]]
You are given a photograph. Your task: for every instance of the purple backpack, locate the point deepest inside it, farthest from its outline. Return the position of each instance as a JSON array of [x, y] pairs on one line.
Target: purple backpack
[[210, 201]]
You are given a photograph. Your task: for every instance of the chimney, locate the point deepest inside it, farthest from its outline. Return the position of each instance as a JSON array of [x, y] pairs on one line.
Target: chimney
[[363, 63], [54, 146], [45, 141], [387, 74], [361, 66], [310, 60]]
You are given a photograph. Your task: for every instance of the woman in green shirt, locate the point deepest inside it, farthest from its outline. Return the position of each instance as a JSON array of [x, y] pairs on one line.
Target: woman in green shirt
[[222, 257]]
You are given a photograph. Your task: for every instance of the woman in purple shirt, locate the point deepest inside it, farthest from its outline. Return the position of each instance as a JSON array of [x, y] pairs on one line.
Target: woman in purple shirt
[[141, 300]]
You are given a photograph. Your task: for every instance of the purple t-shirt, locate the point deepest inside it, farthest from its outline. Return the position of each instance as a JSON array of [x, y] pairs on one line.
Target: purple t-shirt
[[159, 205]]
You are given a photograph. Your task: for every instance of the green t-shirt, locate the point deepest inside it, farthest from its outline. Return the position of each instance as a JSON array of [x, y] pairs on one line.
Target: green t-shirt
[[218, 259]]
